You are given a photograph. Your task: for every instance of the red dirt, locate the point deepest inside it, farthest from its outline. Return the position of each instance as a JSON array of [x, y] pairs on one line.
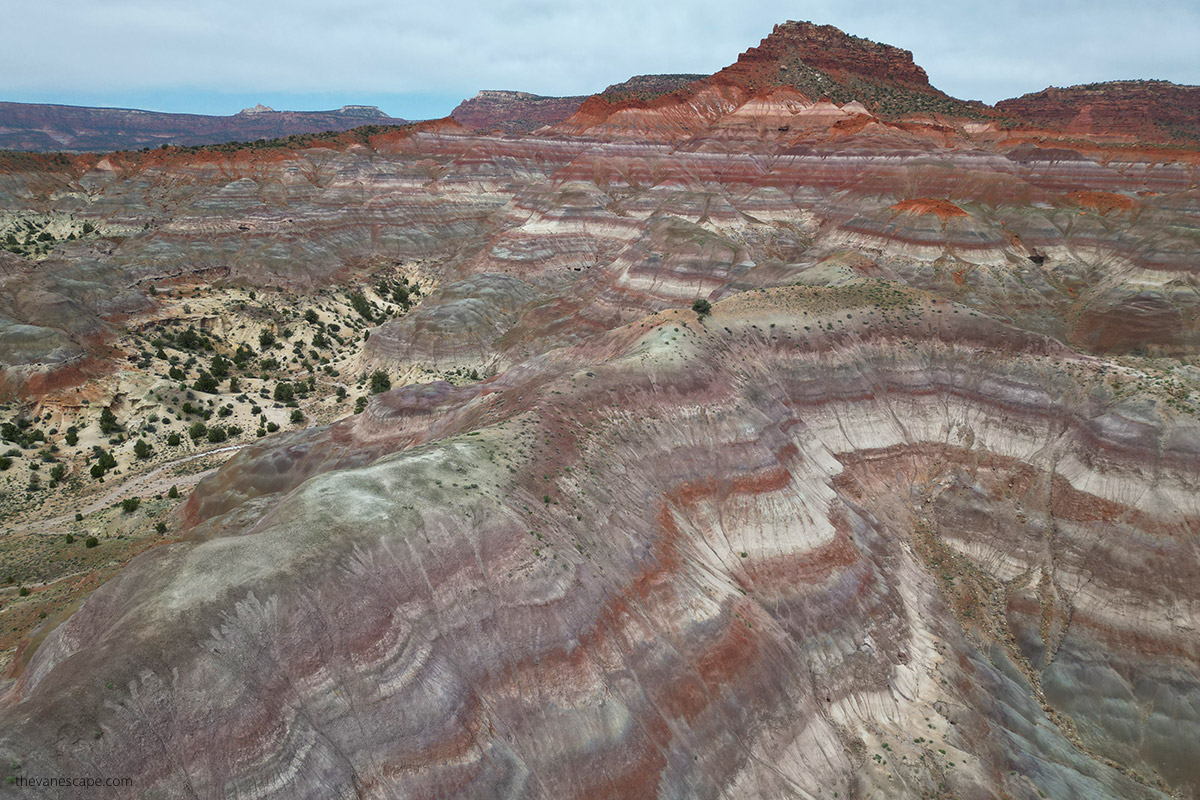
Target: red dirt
[[929, 205], [1103, 202]]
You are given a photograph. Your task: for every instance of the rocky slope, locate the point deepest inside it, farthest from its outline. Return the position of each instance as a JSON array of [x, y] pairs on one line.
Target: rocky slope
[[513, 112], [1134, 110], [521, 112], [42, 127], [855, 540], [788, 446]]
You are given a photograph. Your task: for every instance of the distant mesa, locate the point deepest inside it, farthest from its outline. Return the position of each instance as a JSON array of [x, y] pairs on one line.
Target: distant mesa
[[371, 112], [361, 112], [59, 128]]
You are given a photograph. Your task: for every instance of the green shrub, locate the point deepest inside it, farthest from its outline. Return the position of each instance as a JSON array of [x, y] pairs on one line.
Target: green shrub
[[206, 383], [108, 421], [130, 504], [380, 382], [361, 305], [400, 295]]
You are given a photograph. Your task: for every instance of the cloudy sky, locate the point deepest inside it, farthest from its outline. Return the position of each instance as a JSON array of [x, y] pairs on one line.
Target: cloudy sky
[[418, 59]]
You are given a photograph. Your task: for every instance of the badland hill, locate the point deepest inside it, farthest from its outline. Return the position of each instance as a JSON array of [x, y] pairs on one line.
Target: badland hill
[[797, 431]]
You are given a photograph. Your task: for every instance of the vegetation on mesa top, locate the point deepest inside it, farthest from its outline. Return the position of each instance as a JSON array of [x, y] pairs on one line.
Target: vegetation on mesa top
[[298, 141], [25, 160]]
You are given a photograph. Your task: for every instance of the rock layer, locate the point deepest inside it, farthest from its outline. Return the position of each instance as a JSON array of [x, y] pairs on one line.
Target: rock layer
[[709, 557]]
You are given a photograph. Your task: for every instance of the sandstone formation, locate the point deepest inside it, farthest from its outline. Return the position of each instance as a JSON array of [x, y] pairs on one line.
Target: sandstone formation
[[908, 506], [513, 112], [809, 62], [1129, 110]]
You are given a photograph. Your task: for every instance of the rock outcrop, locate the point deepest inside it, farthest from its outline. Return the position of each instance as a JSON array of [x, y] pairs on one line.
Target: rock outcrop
[[819, 62], [513, 112], [1128, 110]]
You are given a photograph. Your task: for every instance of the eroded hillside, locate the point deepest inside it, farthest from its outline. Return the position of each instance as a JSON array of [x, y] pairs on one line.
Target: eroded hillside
[[742, 440]]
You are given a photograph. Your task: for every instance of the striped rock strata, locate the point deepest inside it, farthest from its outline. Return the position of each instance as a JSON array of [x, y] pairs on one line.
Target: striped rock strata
[[853, 540]]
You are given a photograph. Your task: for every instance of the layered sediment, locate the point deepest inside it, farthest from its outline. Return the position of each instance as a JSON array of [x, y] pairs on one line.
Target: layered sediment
[[908, 507]]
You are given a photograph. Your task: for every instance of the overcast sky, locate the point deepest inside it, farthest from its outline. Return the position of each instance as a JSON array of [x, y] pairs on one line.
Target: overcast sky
[[417, 60]]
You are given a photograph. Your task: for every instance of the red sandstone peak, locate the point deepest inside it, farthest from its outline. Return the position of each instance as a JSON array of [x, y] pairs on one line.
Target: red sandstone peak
[[819, 62], [793, 46]]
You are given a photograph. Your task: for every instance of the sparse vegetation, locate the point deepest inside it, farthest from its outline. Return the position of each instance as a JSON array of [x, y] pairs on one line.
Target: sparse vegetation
[[380, 382]]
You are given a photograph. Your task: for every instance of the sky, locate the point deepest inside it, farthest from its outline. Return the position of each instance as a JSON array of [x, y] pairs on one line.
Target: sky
[[419, 59]]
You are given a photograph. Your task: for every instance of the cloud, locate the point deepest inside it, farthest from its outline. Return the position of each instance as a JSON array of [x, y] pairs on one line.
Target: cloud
[[374, 48]]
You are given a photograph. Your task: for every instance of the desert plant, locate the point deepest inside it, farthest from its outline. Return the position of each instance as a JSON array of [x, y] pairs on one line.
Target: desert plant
[[108, 421], [380, 382]]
